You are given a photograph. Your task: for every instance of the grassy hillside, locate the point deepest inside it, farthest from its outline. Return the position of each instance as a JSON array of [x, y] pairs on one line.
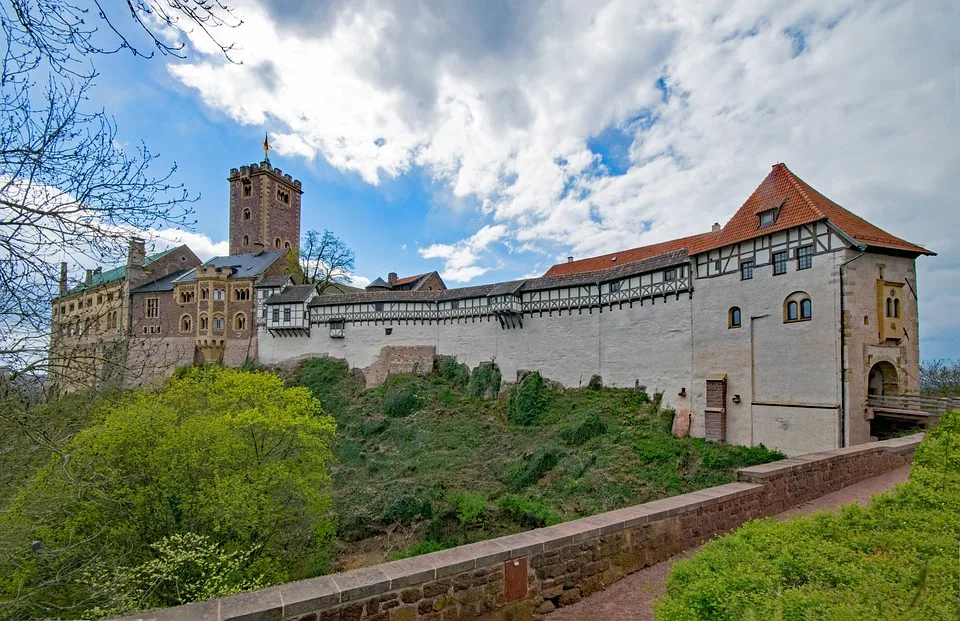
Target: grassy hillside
[[431, 462]]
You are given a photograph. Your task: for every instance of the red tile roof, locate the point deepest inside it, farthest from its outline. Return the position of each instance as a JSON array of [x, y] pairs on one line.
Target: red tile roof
[[797, 203], [409, 279], [626, 256]]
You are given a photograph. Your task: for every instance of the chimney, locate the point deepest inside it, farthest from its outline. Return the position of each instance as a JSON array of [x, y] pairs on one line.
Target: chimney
[[716, 227], [136, 256], [88, 279], [137, 253], [392, 278], [570, 259], [63, 278]]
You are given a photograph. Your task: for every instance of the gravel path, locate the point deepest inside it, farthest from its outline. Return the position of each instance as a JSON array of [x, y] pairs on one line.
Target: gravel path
[[631, 599]]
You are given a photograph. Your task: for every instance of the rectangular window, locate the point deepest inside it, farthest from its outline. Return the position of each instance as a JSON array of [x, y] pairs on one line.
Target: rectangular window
[[614, 287], [153, 308], [670, 275], [286, 315], [717, 266], [780, 262], [455, 304], [746, 270], [276, 315], [804, 257], [378, 306], [767, 218]]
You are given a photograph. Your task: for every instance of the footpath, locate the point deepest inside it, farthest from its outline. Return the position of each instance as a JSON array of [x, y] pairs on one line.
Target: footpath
[[632, 598]]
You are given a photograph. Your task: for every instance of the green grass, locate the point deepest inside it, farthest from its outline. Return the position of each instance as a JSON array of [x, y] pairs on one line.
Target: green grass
[[434, 458], [898, 558]]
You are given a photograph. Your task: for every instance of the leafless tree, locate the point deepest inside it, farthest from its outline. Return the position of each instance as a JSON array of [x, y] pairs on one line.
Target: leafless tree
[[325, 259], [67, 191], [940, 378]]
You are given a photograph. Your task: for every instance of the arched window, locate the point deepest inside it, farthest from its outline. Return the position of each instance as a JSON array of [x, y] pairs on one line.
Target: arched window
[[797, 307], [240, 322], [276, 242], [246, 214], [896, 308], [734, 318], [218, 323], [204, 293], [286, 245], [204, 322], [185, 323], [246, 240], [889, 307]]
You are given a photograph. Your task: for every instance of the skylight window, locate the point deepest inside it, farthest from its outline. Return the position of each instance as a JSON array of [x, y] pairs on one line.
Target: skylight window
[[767, 218]]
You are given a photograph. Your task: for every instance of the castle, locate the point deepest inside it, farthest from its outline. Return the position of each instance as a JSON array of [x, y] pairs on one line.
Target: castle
[[781, 327]]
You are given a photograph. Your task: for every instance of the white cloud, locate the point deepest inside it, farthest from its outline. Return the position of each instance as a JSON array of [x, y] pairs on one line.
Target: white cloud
[[359, 281], [460, 259], [499, 102], [204, 247]]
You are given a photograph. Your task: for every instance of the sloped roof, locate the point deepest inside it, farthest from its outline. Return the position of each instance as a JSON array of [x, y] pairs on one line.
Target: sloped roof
[[249, 265], [661, 261], [409, 279], [379, 283], [798, 204], [161, 284], [292, 294], [615, 259], [273, 281], [118, 273]]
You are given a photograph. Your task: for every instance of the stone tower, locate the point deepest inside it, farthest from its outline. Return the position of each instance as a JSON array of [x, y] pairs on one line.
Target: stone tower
[[264, 209]]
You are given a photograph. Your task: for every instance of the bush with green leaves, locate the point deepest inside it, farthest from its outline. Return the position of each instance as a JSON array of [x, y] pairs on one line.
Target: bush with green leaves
[[532, 468], [528, 512], [895, 559], [453, 372], [185, 568], [485, 381], [214, 452], [401, 401], [471, 507], [330, 381], [528, 401], [587, 429]]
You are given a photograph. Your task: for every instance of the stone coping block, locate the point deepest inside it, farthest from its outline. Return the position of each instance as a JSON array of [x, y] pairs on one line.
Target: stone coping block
[[815, 460], [307, 596]]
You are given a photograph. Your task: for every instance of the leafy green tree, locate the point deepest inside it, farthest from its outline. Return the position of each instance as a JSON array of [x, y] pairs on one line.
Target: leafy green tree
[[223, 454]]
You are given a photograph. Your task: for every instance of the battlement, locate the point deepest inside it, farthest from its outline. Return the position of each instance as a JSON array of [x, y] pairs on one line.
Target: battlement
[[264, 167]]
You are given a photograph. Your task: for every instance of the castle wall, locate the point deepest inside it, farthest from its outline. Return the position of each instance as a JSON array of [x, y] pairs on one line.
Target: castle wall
[[648, 344]]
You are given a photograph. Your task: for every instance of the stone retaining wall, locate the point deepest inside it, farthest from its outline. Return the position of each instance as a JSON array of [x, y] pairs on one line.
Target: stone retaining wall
[[517, 576]]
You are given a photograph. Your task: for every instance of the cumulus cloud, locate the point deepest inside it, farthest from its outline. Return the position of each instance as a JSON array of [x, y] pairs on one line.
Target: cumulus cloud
[[460, 260], [516, 105], [204, 247]]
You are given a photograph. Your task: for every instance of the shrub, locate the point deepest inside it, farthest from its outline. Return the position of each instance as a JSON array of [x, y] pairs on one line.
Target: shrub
[[407, 506], [214, 452], [484, 381], [587, 429], [373, 426], [532, 469], [528, 512], [401, 402], [471, 507], [658, 449], [453, 372], [327, 379], [896, 559], [528, 401], [424, 547]]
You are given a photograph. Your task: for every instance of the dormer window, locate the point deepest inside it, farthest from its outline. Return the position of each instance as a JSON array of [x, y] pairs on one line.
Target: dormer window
[[767, 218]]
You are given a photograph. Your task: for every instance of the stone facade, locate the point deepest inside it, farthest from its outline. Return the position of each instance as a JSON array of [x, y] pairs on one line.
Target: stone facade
[[264, 209], [515, 577]]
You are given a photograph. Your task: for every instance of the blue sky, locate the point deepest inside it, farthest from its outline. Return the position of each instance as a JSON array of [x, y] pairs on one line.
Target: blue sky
[[490, 140]]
